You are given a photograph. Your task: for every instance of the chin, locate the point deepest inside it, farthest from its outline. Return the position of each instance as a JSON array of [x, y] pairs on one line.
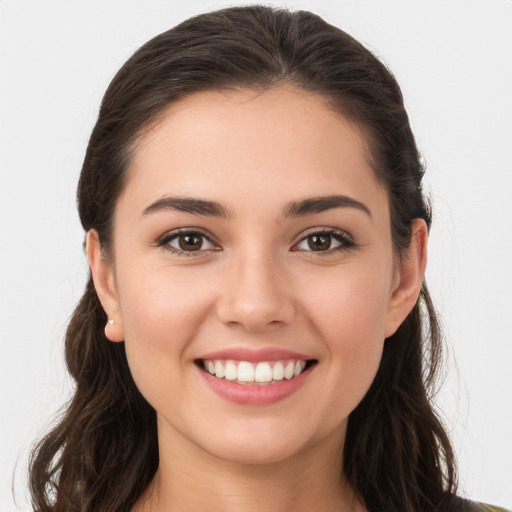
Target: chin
[[251, 454], [260, 444]]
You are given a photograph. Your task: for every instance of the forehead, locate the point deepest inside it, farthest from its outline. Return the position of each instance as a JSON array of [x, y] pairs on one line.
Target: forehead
[[246, 147]]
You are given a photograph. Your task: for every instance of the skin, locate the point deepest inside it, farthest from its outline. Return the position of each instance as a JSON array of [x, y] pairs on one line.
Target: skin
[[257, 284]]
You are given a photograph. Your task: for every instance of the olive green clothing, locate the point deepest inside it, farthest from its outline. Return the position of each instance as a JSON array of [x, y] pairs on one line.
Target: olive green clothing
[[473, 506]]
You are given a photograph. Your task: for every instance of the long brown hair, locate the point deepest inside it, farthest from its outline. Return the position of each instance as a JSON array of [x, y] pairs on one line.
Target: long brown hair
[[103, 451]]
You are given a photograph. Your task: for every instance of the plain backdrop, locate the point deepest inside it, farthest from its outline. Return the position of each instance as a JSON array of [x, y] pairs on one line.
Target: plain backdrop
[[453, 60]]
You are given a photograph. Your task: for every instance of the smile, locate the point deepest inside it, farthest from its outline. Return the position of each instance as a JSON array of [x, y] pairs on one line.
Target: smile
[[255, 377], [256, 373]]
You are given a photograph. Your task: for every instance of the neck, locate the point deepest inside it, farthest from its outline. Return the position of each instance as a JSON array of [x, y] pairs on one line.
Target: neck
[[193, 480]]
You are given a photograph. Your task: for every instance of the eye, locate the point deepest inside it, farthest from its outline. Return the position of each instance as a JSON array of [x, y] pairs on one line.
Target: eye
[[325, 241], [186, 242]]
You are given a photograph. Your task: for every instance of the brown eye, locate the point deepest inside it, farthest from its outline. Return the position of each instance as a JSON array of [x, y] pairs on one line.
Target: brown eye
[[320, 242], [326, 242], [187, 242], [190, 242]]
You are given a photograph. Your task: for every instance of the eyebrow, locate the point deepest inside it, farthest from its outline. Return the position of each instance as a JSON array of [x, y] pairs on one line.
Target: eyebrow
[[305, 207], [188, 205], [320, 204]]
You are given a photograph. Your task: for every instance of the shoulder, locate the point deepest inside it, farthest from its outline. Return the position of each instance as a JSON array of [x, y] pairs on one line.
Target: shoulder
[[474, 506], [491, 508]]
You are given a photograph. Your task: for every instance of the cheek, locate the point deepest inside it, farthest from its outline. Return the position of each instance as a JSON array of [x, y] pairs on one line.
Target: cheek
[[162, 304], [349, 315], [351, 304], [161, 312]]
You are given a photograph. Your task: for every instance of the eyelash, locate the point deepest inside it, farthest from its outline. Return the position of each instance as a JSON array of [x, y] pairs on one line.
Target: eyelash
[[165, 240], [344, 239]]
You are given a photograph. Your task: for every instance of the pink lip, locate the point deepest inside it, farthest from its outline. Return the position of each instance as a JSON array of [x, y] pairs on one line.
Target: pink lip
[[254, 394], [255, 356]]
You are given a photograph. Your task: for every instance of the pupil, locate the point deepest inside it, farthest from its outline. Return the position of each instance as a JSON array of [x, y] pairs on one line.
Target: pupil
[[190, 242], [319, 242]]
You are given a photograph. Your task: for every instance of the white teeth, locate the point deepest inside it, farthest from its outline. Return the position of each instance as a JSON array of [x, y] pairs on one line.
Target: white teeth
[[219, 369], [288, 371], [263, 373], [278, 371], [230, 371], [245, 372]]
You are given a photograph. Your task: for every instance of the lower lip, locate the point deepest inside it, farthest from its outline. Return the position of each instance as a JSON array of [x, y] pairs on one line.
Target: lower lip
[[253, 394]]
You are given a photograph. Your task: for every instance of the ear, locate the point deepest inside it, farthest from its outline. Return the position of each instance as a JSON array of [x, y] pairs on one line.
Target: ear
[[102, 272], [409, 278]]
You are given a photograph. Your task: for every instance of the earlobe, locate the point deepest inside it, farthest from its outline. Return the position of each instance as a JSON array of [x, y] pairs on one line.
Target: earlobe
[[410, 278], [102, 273]]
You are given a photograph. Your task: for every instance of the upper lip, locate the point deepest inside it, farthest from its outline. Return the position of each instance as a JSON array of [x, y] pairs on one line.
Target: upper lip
[[254, 356]]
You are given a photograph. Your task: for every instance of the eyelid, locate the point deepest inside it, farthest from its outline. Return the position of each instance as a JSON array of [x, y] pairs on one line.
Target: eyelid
[[343, 237], [163, 240], [323, 230]]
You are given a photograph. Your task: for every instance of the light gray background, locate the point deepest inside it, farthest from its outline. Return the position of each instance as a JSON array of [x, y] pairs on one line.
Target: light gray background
[[453, 60]]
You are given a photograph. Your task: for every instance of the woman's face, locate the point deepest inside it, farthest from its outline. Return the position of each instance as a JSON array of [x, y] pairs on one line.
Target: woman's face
[[253, 241]]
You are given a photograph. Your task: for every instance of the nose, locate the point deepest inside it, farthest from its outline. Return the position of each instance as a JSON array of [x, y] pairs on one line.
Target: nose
[[255, 294]]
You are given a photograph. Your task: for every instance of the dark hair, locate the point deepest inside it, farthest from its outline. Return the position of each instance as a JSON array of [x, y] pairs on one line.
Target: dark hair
[[103, 452]]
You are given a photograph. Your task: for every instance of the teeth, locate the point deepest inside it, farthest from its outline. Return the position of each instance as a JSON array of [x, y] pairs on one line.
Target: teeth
[[245, 372], [278, 371], [288, 371], [230, 371], [261, 373], [219, 369]]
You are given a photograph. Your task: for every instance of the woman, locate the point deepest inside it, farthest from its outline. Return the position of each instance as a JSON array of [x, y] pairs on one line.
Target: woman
[[256, 333]]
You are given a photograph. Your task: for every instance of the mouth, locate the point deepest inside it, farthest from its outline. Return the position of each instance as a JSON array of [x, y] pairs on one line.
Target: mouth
[[261, 373]]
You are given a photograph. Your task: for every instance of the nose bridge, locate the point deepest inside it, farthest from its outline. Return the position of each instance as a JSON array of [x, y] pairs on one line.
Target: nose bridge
[[256, 294]]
